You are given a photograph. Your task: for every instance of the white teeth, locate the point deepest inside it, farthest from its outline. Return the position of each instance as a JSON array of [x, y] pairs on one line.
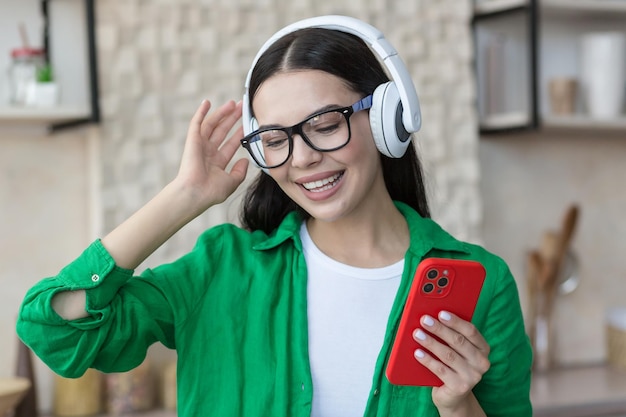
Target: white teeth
[[321, 185]]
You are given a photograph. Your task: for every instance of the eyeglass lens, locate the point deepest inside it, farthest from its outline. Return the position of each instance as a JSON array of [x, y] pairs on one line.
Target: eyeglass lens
[[326, 131]]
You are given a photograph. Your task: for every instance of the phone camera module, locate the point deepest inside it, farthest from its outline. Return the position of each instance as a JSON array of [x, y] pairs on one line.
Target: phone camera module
[[432, 274], [428, 288]]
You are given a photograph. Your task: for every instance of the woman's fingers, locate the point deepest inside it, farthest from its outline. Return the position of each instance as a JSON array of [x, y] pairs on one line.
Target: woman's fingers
[[217, 125], [198, 117], [232, 144], [207, 133], [208, 148], [229, 149], [456, 331], [460, 356], [239, 170]]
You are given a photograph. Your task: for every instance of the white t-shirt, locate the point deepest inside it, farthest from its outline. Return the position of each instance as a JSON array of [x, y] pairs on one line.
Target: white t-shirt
[[348, 309]]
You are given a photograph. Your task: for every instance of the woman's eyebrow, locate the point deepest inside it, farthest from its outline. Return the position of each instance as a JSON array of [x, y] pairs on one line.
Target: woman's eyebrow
[[320, 110]]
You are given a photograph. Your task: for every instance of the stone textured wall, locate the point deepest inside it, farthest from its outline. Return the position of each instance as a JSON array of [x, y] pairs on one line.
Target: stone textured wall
[[159, 59]]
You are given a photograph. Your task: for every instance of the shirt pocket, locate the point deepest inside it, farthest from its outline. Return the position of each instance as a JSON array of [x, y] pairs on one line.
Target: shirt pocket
[[412, 401]]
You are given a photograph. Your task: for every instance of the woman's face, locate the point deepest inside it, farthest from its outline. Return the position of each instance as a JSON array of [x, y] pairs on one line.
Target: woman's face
[[328, 185]]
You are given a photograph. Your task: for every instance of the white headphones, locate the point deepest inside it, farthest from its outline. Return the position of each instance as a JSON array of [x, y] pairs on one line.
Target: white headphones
[[395, 111]]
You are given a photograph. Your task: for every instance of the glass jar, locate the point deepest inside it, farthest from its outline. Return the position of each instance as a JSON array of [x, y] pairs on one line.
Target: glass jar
[[25, 63]]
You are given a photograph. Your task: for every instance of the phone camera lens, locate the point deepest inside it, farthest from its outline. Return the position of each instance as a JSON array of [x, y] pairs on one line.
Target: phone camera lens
[[432, 274], [428, 288], [442, 282]]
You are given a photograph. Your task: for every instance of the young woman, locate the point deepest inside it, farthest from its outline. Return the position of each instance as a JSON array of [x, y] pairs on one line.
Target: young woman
[[293, 314]]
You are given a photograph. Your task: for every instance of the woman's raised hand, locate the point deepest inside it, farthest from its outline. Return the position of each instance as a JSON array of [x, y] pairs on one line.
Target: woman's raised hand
[[208, 151], [202, 181]]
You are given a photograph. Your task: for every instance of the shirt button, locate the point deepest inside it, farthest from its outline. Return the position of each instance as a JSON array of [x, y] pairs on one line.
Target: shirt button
[[95, 277], [376, 392]]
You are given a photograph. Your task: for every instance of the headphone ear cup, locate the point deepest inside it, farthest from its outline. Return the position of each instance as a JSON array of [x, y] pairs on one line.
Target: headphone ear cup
[[390, 136]]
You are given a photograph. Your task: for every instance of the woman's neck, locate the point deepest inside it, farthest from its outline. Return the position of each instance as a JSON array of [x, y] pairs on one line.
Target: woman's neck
[[368, 239]]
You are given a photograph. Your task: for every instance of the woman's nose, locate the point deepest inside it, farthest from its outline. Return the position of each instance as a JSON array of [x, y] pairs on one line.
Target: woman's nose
[[303, 155]]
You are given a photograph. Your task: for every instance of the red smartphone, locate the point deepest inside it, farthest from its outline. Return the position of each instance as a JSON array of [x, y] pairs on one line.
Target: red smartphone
[[439, 284]]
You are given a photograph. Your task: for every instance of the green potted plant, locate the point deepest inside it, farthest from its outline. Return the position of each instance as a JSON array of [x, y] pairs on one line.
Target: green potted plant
[[44, 92]]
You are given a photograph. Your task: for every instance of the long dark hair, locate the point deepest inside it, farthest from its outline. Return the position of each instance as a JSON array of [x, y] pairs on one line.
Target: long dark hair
[[349, 58]]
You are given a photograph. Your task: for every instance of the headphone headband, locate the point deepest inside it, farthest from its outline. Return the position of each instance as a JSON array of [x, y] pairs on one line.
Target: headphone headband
[[411, 118]]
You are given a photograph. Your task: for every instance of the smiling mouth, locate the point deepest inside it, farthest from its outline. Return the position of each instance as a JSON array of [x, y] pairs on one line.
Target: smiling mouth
[[322, 185]]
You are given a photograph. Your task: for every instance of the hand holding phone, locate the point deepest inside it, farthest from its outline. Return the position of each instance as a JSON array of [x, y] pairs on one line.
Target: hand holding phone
[[439, 284]]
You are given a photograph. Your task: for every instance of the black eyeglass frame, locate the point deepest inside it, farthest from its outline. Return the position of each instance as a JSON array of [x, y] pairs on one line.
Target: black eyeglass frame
[[247, 142]]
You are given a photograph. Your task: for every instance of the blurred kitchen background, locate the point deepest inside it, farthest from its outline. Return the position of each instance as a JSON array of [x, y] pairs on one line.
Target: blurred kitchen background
[[523, 106]]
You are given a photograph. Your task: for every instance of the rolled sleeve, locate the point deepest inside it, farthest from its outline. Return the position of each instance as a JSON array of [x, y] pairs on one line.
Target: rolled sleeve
[[57, 340], [95, 269]]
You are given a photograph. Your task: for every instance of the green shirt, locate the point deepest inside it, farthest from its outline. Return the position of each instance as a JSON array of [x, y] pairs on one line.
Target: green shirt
[[235, 309]]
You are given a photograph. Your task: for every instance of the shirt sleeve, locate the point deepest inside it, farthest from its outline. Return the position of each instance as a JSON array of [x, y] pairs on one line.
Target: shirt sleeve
[[505, 388], [126, 314]]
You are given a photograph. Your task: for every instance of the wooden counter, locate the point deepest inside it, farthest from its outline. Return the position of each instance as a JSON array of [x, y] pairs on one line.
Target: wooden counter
[[590, 391]]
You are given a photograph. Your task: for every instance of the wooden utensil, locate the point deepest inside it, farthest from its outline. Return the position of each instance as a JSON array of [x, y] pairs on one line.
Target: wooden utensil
[[544, 268]]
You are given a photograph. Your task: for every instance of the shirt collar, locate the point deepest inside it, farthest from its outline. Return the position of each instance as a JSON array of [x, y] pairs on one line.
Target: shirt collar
[[425, 233], [288, 229]]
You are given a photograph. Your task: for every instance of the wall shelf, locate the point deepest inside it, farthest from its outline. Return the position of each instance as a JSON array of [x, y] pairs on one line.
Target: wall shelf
[[490, 7], [521, 45], [511, 120], [52, 115], [583, 122], [584, 6], [66, 30]]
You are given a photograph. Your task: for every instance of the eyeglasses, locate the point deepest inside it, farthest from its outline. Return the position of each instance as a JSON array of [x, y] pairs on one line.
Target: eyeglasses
[[325, 131]]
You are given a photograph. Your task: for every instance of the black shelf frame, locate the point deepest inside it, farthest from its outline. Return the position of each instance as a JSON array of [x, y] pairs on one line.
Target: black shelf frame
[[531, 9], [92, 59]]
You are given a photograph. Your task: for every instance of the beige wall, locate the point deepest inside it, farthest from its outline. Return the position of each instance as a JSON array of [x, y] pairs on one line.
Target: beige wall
[[157, 61], [45, 207], [527, 183]]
